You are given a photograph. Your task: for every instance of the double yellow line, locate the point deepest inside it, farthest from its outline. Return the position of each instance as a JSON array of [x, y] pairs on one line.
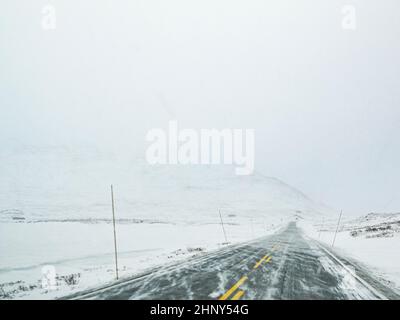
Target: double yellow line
[[242, 280], [227, 294], [266, 258]]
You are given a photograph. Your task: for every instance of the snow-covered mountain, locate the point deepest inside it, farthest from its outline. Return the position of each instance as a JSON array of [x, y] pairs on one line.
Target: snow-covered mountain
[[64, 183]]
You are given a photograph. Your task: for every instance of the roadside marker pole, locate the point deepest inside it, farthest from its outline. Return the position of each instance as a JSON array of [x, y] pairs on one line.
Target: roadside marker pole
[[115, 234], [222, 224], [337, 228]]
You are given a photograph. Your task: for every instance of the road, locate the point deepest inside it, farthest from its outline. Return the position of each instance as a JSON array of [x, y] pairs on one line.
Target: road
[[286, 265]]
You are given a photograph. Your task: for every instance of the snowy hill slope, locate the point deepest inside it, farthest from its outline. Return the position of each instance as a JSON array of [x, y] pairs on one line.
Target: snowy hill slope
[[62, 183]]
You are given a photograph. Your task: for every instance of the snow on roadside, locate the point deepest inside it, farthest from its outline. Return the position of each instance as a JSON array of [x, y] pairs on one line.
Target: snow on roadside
[[82, 253], [372, 239]]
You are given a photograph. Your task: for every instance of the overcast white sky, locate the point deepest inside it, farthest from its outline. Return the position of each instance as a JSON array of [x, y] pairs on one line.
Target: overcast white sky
[[325, 102]]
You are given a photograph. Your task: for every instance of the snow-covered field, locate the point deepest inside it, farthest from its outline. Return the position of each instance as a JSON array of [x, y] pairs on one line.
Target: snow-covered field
[[55, 211], [372, 239], [82, 253]]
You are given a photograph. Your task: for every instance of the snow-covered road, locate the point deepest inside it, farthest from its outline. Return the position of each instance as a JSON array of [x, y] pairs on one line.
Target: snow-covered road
[[286, 265]]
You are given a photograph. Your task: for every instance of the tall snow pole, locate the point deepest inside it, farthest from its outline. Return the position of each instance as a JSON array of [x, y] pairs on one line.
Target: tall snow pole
[[337, 228], [115, 233], [222, 224]]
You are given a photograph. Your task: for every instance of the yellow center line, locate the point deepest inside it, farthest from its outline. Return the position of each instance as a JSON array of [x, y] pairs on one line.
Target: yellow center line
[[238, 295], [234, 287], [259, 262]]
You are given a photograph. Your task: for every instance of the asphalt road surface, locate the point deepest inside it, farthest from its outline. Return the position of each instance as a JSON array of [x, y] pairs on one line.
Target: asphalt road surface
[[286, 265]]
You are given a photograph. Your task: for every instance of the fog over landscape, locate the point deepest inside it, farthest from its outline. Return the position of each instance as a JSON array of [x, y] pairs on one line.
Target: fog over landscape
[[314, 85], [323, 101]]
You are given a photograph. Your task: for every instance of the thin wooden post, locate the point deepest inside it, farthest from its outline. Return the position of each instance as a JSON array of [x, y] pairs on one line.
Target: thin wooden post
[[337, 228], [115, 233], [223, 228]]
